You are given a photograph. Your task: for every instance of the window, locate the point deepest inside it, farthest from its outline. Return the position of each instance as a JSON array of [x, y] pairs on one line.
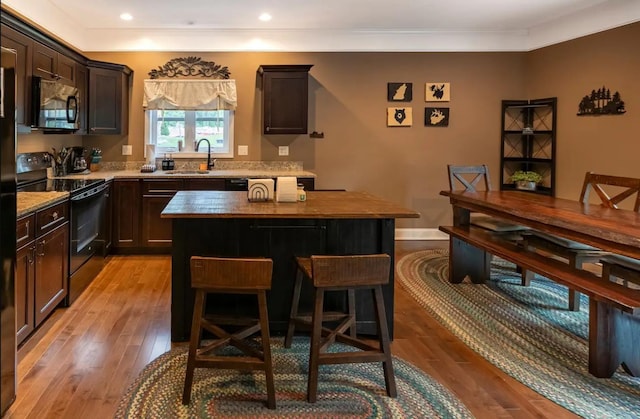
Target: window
[[178, 131]]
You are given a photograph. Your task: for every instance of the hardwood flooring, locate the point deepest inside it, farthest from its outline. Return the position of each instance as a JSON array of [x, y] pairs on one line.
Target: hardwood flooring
[[84, 357]]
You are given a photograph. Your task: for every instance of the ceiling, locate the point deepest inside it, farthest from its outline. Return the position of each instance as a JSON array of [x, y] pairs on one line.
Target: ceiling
[[327, 25]]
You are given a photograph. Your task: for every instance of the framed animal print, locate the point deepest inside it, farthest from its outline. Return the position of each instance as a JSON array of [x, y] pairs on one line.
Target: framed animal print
[[399, 92], [436, 117], [437, 92], [398, 116]]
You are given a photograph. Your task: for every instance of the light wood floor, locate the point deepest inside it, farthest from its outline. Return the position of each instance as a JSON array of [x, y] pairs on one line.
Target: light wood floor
[[81, 361]]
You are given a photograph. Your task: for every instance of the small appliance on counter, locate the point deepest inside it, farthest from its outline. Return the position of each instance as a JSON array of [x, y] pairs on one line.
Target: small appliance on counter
[[75, 160], [168, 163]]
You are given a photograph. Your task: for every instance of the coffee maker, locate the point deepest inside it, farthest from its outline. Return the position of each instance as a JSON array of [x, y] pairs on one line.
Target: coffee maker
[[76, 162]]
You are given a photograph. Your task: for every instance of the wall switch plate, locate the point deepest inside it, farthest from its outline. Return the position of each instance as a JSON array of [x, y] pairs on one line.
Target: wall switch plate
[[127, 150], [243, 150], [283, 150]]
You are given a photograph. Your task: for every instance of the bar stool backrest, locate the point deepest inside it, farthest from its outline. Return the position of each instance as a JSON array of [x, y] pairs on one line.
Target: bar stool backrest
[[347, 271], [231, 273], [468, 177], [623, 187]]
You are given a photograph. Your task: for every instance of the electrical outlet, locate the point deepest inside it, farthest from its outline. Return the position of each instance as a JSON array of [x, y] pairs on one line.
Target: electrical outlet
[[283, 150], [127, 150], [243, 150]]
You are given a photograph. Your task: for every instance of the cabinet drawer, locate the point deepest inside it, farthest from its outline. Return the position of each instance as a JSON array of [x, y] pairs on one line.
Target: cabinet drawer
[[49, 218], [25, 230], [161, 186], [207, 184]]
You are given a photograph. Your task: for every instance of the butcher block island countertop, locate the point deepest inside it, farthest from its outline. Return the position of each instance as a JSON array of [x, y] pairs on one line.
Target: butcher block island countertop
[[319, 204], [226, 224]]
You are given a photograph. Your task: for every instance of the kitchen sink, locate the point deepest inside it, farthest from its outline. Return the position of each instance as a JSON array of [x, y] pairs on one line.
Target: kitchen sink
[[186, 172]]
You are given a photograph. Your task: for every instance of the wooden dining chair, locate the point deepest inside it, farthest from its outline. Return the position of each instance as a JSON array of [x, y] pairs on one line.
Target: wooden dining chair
[[477, 178], [611, 191], [230, 276], [342, 273], [616, 266]]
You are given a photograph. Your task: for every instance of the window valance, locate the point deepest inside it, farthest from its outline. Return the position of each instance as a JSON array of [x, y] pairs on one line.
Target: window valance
[[189, 94]]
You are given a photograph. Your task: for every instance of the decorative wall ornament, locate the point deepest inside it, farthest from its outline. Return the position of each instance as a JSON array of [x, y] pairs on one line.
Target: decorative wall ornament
[[399, 92], [437, 92], [601, 102], [436, 117], [190, 67], [399, 117]]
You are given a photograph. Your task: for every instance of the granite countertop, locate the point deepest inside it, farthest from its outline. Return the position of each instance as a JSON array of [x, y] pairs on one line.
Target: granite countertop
[[322, 205], [215, 173], [28, 202]]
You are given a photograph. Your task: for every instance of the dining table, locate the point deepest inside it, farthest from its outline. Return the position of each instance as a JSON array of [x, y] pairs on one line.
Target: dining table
[[614, 330]]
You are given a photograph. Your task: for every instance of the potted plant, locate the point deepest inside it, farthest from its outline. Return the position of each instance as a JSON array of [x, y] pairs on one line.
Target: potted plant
[[526, 180]]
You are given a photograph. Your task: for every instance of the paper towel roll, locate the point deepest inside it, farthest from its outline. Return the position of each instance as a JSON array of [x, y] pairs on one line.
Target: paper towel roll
[[150, 153], [287, 189]]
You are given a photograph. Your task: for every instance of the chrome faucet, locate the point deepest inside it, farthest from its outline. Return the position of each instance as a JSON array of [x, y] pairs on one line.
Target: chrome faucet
[[209, 162]]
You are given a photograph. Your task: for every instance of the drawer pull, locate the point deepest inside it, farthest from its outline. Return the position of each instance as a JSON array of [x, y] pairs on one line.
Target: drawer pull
[[26, 233], [54, 215]]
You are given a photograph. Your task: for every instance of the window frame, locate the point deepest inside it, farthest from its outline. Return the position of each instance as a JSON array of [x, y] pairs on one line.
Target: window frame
[[151, 133]]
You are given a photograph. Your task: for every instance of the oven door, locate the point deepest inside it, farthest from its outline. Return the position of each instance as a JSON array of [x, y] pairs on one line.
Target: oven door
[[87, 213]]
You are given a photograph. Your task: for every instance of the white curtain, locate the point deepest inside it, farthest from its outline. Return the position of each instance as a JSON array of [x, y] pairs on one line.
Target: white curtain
[[189, 94]]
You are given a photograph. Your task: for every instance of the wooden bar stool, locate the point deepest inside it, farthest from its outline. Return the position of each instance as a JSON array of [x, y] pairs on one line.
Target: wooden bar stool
[[230, 276], [336, 273]]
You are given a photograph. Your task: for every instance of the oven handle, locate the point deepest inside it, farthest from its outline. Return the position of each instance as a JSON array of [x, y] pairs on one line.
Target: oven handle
[[90, 193]]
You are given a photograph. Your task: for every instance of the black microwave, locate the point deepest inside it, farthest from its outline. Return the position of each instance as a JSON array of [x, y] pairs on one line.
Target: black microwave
[[54, 106]]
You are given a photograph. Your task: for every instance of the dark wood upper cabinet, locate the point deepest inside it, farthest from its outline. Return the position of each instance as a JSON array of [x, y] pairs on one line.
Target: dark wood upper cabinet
[[285, 98], [23, 45], [108, 98], [50, 65]]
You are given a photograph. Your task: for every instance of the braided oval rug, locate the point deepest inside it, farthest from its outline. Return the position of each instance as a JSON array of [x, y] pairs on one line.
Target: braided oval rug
[[344, 391], [527, 332]]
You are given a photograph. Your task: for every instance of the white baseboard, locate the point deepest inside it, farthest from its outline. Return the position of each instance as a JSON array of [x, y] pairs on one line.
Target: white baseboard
[[420, 234]]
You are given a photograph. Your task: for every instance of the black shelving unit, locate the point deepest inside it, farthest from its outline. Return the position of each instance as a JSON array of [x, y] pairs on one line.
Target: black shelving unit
[[529, 141]]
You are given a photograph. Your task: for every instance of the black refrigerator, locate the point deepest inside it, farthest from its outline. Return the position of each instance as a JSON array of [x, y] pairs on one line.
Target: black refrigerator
[[7, 228]]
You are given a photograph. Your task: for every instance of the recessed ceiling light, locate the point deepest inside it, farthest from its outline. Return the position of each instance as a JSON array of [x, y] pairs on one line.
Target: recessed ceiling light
[[265, 17], [126, 16]]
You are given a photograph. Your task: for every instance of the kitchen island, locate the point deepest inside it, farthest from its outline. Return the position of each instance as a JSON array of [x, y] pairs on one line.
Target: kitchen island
[[226, 224]]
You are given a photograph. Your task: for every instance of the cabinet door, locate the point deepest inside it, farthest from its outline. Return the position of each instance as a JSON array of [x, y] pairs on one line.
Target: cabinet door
[[106, 101], [156, 231], [66, 70], [51, 277], [285, 99], [156, 194], [126, 213], [49, 64], [25, 280], [23, 46], [44, 61]]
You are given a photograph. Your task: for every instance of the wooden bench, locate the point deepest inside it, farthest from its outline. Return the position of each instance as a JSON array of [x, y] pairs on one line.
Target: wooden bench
[[614, 325], [585, 282]]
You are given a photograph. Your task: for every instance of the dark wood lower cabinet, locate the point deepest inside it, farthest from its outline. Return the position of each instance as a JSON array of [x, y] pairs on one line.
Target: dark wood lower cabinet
[[52, 271], [126, 197], [42, 268], [25, 284], [156, 231]]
